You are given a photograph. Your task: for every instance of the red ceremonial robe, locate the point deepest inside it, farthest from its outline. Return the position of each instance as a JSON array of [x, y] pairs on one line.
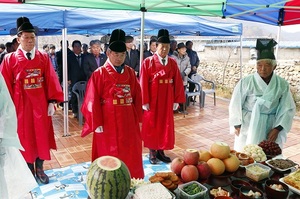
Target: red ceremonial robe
[[32, 83], [161, 87], [114, 101]]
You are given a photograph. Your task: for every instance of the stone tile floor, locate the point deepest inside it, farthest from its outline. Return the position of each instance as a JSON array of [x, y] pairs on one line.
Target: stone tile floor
[[198, 129]]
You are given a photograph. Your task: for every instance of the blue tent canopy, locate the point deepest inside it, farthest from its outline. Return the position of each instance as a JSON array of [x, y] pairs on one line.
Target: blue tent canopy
[[48, 19], [51, 20]]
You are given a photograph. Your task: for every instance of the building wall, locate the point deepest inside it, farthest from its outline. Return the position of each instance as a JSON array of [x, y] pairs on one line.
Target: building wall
[[233, 54], [227, 74]]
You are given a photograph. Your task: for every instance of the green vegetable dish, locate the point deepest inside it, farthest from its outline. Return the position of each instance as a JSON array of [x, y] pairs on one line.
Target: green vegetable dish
[[192, 189]]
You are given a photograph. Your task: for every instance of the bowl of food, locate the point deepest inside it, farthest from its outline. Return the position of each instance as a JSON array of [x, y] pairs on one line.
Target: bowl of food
[[249, 192], [276, 189], [218, 191], [257, 171], [235, 185], [223, 197], [191, 190]]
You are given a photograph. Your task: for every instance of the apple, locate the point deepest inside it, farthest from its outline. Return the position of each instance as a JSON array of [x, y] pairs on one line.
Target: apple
[[204, 170], [191, 156], [189, 173], [176, 165]]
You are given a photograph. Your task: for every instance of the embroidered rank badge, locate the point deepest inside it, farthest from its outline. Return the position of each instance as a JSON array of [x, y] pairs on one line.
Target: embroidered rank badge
[[33, 79]]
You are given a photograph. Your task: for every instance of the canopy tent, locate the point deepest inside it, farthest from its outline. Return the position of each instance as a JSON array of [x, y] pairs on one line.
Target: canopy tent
[[52, 20], [274, 12], [48, 19], [104, 21]]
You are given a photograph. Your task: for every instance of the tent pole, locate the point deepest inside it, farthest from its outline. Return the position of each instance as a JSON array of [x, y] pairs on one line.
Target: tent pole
[[278, 39], [65, 82], [143, 10], [241, 57]]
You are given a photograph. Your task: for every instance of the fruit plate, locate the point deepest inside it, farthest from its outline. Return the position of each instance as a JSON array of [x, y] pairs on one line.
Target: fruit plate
[[279, 169], [293, 189]]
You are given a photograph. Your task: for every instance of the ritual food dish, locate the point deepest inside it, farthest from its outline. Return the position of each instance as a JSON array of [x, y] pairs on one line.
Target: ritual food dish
[[245, 159], [257, 171], [276, 189], [249, 192], [271, 149], [256, 152], [237, 184], [218, 191], [281, 165], [293, 181], [169, 179], [192, 190], [151, 191], [223, 197]]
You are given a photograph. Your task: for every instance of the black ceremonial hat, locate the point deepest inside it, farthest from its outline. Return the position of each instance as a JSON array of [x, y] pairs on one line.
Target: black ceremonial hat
[[163, 36], [117, 41], [265, 48], [24, 25]]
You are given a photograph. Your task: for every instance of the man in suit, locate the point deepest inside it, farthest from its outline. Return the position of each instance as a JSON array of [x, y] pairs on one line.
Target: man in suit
[[95, 59], [75, 72], [132, 56], [152, 46], [59, 59]]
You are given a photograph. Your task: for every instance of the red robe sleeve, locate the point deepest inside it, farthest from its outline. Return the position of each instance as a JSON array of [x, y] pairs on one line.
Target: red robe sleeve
[[91, 107], [144, 80]]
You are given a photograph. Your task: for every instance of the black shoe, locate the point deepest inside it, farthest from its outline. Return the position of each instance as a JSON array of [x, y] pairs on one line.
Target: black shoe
[[41, 176], [152, 157], [161, 156], [39, 171]]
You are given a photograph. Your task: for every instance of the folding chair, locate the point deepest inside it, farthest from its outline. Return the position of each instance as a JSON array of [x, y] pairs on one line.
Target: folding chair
[[193, 94], [198, 78], [79, 90]]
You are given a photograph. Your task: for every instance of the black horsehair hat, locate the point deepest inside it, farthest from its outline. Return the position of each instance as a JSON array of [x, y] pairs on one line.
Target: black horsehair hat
[[163, 36], [24, 25], [265, 48], [117, 41]]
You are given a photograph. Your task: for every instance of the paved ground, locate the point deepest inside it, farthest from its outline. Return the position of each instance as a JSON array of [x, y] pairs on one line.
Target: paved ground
[[199, 129]]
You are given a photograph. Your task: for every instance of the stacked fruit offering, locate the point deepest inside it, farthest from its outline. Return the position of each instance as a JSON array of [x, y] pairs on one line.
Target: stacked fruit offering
[[270, 148], [199, 165]]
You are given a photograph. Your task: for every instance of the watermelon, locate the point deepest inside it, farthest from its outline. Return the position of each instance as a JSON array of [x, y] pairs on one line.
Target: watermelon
[[108, 178]]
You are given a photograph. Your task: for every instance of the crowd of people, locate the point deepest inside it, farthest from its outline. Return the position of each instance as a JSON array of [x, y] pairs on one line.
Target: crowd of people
[[126, 105]]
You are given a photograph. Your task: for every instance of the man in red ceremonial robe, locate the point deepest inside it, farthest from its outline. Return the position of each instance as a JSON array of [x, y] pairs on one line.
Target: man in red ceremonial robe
[[162, 91], [112, 109], [34, 87]]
